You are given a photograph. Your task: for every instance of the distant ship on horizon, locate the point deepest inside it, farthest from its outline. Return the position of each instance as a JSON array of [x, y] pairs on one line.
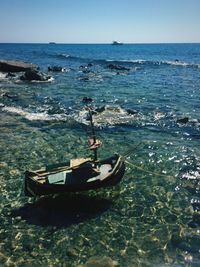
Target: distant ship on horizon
[[116, 43], [52, 43]]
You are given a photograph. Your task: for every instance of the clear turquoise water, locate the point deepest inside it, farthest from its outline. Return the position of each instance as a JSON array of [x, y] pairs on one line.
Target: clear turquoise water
[[152, 217]]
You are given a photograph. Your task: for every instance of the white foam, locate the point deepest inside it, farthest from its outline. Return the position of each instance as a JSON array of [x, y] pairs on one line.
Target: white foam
[[193, 175], [32, 116], [176, 63], [111, 115], [2, 76], [47, 81]]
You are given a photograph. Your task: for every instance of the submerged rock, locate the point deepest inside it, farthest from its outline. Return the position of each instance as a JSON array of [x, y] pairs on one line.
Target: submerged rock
[[186, 120], [113, 109], [34, 75], [187, 243], [100, 109], [10, 75], [84, 69], [84, 79], [15, 66], [131, 111], [117, 67], [71, 252], [195, 223], [100, 262], [10, 96], [109, 115], [183, 120], [87, 99], [56, 68]]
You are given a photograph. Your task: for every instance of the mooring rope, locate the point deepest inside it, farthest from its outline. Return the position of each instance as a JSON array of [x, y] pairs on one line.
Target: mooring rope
[[153, 173]]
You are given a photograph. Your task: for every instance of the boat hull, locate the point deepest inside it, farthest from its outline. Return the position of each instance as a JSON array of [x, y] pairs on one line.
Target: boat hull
[[35, 188]]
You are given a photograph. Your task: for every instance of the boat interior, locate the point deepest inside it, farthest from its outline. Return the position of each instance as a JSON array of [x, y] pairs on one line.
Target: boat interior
[[80, 171]]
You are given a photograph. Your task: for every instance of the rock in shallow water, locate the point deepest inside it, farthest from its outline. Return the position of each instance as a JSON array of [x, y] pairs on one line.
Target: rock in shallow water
[[100, 262], [183, 120], [34, 75], [15, 66], [117, 67], [56, 69]]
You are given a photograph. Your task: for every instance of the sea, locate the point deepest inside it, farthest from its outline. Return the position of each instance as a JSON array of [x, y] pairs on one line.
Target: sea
[[146, 106]]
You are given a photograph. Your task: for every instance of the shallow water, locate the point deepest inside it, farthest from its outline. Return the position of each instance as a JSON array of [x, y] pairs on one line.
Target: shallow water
[[152, 217]]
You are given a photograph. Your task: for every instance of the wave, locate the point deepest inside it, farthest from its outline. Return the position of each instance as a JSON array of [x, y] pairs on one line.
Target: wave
[[50, 79], [69, 57], [3, 76], [62, 56], [134, 62], [36, 116], [108, 116], [141, 62], [105, 116], [181, 63], [130, 62]]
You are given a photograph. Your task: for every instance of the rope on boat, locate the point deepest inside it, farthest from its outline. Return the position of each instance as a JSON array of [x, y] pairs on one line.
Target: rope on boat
[[153, 173], [130, 151]]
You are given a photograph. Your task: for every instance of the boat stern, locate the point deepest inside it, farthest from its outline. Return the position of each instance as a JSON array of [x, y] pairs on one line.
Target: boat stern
[[27, 190]]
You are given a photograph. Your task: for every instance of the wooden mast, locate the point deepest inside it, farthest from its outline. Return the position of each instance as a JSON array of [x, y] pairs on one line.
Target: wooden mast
[[94, 144]]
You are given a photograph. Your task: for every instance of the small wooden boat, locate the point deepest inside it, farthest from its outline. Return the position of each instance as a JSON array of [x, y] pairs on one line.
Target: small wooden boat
[[76, 175]]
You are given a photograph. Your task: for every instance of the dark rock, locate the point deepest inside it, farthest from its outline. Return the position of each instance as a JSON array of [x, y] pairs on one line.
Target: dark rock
[[195, 221], [131, 111], [84, 79], [2, 105], [15, 66], [117, 67], [100, 109], [87, 99], [34, 75], [187, 243], [183, 120], [56, 68], [13, 97], [108, 108], [84, 69], [90, 64], [71, 252], [113, 109], [10, 75]]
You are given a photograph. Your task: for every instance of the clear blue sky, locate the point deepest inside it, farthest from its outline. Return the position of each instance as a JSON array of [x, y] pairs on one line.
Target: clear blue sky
[[100, 21]]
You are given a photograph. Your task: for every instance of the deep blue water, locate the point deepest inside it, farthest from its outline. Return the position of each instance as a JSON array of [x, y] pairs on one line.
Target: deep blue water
[[152, 217]]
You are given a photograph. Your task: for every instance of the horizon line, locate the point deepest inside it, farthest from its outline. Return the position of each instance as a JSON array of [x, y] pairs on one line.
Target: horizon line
[[124, 43]]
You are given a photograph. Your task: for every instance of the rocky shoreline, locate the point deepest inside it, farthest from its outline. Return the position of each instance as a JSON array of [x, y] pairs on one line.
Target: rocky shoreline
[[30, 71], [16, 66]]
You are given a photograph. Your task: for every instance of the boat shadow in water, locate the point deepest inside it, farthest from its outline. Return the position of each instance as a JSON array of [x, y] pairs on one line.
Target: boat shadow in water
[[62, 210]]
